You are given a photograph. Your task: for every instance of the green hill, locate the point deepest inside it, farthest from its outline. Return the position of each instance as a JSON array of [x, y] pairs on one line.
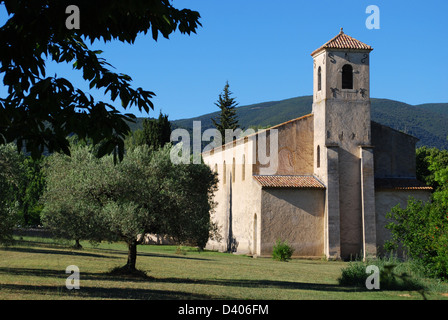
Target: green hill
[[428, 122]]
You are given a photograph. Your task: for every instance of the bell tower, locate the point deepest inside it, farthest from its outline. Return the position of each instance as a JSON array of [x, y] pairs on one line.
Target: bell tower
[[342, 145]]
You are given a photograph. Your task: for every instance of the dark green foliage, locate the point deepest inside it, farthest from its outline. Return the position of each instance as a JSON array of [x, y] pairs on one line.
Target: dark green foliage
[[426, 122], [10, 180], [94, 199], [227, 118], [424, 157], [282, 251], [393, 275], [75, 187], [422, 228], [354, 275], [191, 189], [39, 112], [30, 191], [156, 132], [134, 139]]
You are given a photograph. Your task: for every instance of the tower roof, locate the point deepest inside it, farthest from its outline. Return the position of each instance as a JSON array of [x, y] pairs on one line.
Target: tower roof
[[343, 41]]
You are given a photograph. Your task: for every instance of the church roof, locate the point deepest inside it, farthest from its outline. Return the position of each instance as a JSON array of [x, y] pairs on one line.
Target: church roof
[[289, 181], [400, 184], [343, 41]]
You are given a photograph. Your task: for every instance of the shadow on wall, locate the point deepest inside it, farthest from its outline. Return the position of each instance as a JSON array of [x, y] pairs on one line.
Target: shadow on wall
[[232, 244]]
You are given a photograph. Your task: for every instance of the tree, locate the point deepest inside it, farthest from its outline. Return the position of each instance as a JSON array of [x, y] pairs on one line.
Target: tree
[[191, 190], [39, 112], [91, 198], [159, 197], [30, 190], [133, 139], [428, 162], [157, 132], [422, 228], [76, 186], [10, 177], [227, 118]]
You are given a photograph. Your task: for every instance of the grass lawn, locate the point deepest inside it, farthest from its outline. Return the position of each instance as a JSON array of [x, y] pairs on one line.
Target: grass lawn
[[34, 268]]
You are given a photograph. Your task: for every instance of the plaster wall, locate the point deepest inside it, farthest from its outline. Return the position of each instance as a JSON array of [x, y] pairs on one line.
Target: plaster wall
[[294, 146], [294, 215], [238, 197]]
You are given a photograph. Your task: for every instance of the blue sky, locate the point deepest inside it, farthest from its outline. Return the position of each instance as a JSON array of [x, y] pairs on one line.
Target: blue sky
[[263, 49]]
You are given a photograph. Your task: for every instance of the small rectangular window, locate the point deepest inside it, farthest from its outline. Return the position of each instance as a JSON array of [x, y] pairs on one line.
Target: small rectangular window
[[319, 79], [347, 77]]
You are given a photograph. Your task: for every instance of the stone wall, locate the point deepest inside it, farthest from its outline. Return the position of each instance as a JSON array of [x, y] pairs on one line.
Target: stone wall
[[294, 215]]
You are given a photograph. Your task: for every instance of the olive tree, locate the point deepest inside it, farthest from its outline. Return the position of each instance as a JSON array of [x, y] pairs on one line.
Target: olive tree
[[73, 194], [95, 199]]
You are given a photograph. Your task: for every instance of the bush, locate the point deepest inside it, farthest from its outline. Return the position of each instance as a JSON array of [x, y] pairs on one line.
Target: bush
[[394, 275], [354, 275], [282, 251], [422, 229]]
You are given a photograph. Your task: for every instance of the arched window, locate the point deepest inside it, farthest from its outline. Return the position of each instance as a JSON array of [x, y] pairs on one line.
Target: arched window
[[347, 77], [318, 157], [319, 79]]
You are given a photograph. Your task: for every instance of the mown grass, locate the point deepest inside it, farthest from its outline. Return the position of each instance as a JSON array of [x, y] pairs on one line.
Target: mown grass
[[34, 268]]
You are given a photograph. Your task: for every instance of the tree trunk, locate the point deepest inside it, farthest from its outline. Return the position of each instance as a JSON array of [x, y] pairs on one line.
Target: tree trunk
[[132, 255], [78, 244]]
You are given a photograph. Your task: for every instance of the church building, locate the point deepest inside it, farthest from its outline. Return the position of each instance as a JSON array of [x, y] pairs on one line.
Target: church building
[[336, 174]]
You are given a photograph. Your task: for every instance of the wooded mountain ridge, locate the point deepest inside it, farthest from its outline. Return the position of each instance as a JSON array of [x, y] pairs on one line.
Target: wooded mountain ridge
[[428, 122]]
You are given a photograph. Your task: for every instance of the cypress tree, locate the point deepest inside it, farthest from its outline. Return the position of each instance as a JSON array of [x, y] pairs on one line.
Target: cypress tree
[[156, 132], [227, 118]]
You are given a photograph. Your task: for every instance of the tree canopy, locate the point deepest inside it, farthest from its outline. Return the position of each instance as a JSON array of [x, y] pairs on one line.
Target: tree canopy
[[10, 179], [422, 227], [91, 198], [227, 118], [40, 111]]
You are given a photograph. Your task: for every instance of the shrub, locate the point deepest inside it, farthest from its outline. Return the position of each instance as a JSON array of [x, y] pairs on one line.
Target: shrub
[[422, 229], [394, 275], [354, 275], [282, 251]]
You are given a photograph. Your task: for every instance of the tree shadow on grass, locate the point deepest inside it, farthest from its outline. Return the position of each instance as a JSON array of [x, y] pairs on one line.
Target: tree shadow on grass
[[151, 254], [141, 293], [105, 293], [57, 251], [52, 273], [267, 284]]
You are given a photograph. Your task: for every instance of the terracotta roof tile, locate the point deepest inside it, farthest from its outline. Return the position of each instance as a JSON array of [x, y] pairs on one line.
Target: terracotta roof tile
[[343, 41], [290, 181], [400, 184]]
